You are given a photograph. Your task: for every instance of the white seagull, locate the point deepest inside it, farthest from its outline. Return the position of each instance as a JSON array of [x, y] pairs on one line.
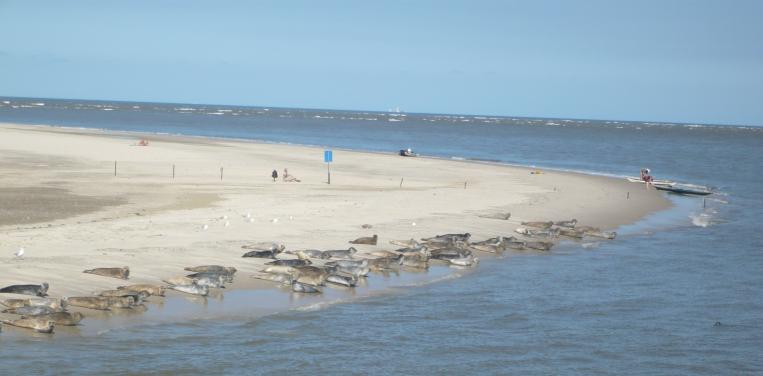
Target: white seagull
[[19, 253]]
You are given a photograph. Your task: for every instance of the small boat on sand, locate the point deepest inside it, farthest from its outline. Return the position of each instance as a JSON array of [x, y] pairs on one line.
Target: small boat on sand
[[683, 190]]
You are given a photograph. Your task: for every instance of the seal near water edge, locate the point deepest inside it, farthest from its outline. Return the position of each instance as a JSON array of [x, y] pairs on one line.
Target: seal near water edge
[[38, 324]]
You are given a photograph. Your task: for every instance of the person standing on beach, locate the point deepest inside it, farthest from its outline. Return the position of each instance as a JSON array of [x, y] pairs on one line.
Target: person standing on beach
[[274, 175]]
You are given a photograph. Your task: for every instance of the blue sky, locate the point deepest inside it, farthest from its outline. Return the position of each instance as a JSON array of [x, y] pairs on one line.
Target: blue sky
[[684, 61]]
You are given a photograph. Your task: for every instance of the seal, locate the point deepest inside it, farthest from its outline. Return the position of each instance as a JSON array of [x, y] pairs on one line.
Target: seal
[[212, 269], [572, 233], [449, 238], [418, 261], [312, 253], [344, 280], [193, 289], [62, 318], [34, 290], [339, 253], [411, 243], [211, 279], [348, 263], [14, 303], [153, 290], [265, 246], [464, 261], [291, 262], [538, 224], [304, 288], [277, 269], [282, 278], [369, 240], [355, 271], [551, 232], [137, 296], [260, 254], [178, 280], [385, 263], [29, 311], [103, 303], [539, 246], [569, 224], [38, 324], [311, 275], [120, 273]]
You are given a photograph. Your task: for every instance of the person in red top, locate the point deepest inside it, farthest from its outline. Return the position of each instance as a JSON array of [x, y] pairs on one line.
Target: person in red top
[[645, 176]]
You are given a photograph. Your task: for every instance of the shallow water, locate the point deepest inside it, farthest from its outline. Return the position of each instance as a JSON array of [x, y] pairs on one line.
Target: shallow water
[[646, 303]]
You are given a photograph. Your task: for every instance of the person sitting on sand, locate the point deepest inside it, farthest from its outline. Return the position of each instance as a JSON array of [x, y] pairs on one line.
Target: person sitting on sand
[[289, 178]]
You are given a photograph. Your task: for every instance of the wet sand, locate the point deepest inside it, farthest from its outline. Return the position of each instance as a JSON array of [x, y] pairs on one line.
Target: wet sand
[[61, 201]]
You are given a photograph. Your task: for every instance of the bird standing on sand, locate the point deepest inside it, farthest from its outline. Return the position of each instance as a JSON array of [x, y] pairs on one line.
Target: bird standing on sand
[[19, 253]]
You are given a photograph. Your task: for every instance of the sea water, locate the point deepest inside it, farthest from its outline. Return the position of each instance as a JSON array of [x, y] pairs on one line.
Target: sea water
[[680, 292]]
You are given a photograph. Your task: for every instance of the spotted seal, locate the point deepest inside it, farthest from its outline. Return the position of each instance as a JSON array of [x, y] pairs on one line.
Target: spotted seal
[[119, 273]]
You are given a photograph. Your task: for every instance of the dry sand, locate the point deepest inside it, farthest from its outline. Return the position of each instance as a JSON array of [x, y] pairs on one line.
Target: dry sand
[[61, 202]]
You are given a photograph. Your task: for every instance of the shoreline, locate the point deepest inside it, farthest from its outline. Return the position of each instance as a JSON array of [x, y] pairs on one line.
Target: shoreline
[[156, 230]]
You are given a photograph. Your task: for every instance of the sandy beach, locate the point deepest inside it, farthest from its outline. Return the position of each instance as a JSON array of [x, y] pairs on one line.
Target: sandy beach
[[62, 202]]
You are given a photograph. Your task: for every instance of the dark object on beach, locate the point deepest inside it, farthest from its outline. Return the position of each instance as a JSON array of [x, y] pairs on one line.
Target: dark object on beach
[[407, 153], [292, 262], [34, 290], [682, 190], [120, 273], [370, 240], [260, 254], [274, 175]]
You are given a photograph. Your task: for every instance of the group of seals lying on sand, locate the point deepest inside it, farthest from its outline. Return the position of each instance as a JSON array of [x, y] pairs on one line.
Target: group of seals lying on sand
[[551, 229], [38, 314]]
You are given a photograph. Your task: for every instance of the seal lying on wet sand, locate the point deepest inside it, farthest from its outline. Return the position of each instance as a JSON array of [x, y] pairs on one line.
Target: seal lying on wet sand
[[62, 318], [339, 253], [260, 254], [34, 290], [120, 273], [212, 269], [369, 240], [53, 304], [275, 277], [540, 225], [311, 275], [193, 289], [38, 324], [540, 246], [291, 262], [154, 290], [29, 311], [344, 280], [103, 303], [305, 288], [211, 277], [569, 224]]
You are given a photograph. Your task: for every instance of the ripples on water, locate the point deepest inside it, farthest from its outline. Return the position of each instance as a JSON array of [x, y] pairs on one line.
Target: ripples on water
[[643, 304]]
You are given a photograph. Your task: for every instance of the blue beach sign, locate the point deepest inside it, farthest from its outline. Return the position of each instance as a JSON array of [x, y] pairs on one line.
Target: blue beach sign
[[328, 156]]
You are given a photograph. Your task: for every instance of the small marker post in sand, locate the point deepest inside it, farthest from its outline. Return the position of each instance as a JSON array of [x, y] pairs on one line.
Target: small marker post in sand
[[115, 168], [221, 173], [464, 185], [628, 196], [173, 171], [401, 182]]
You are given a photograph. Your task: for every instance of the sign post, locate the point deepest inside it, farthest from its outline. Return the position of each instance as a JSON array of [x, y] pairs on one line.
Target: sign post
[[328, 157]]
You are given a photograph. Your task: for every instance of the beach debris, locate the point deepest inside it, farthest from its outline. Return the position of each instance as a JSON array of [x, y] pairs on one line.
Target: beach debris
[[34, 290], [19, 253], [369, 240], [366, 226], [204, 227], [224, 217], [40, 325], [226, 224], [274, 220], [120, 273]]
